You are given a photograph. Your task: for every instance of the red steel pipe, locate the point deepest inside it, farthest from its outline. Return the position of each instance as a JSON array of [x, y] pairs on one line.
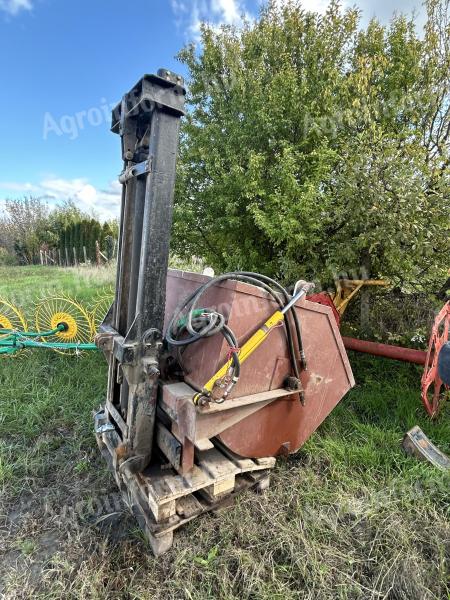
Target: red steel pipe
[[395, 352]]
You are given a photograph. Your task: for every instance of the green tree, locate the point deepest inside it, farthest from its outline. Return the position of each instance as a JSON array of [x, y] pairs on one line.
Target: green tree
[[63, 220], [77, 241], [107, 240], [314, 146], [113, 225], [95, 235], [24, 228], [65, 214], [70, 241]]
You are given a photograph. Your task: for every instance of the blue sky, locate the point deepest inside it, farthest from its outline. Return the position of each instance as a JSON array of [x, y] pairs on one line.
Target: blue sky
[[63, 64]]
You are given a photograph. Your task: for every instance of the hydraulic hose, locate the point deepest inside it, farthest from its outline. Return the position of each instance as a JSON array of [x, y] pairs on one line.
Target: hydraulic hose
[[201, 323], [257, 280], [292, 312]]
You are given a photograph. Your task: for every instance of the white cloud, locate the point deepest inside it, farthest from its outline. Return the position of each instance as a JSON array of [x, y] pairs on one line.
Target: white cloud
[[26, 188], [227, 11], [104, 203], [13, 7], [319, 6], [189, 14]]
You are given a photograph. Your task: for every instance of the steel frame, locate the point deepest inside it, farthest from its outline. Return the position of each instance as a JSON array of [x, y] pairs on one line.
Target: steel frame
[[147, 120]]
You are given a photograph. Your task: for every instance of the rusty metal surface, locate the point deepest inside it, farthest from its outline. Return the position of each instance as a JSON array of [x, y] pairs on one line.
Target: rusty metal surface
[[201, 423], [284, 423], [386, 350], [415, 443], [434, 390]]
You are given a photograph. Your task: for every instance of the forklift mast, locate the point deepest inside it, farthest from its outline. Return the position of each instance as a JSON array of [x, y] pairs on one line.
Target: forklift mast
[[147, 120]]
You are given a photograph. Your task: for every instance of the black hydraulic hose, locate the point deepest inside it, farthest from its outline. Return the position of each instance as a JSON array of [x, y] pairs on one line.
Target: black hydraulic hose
[[178, 310], [210, 326], [214, 322], [232, 342], [255, 279], [209, 322], [194, 297], [292, 311]]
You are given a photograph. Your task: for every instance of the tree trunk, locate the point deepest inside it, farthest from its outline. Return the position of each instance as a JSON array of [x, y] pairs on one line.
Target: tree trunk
[[365, 295]]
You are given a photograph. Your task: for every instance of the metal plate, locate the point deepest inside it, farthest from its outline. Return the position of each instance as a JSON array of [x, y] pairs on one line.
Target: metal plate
[[416, 443], [284, 425]]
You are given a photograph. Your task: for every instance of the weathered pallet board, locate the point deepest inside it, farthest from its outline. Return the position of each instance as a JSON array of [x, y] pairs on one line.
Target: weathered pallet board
[[246, 464], [162, 500]]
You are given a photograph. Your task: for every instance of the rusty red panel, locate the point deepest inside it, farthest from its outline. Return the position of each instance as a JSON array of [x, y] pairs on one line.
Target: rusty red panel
[[325, 299], [284, 424]]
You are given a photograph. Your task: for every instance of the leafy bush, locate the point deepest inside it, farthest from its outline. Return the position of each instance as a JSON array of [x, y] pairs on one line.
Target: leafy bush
[[315, 145], [6, 258], [395, 317]]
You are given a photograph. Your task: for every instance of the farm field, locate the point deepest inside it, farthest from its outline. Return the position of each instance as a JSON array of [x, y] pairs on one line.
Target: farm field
[[349, 516]]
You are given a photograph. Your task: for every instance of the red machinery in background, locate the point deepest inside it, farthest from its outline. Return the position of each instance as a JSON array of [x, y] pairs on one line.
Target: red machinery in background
[[433, 387]]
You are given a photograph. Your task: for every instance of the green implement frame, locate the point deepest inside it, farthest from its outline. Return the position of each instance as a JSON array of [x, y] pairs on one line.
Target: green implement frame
[[14, 341]]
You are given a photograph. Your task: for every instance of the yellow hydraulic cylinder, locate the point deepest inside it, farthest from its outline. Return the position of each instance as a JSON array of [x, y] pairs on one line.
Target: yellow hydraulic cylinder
[[254, 342], [248, 348]]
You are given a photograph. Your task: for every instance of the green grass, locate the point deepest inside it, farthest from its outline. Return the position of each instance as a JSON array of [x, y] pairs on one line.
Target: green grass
[[348, 516], [24, 285]]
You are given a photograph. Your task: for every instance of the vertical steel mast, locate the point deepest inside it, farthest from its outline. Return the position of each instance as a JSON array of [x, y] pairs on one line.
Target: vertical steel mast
[[147, 120]]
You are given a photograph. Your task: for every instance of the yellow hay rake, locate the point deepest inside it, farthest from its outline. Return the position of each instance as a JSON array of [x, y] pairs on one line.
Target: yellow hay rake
[[61, 323]]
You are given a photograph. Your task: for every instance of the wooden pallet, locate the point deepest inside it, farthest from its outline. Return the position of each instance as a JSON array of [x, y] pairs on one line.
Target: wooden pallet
[[162, 500]]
